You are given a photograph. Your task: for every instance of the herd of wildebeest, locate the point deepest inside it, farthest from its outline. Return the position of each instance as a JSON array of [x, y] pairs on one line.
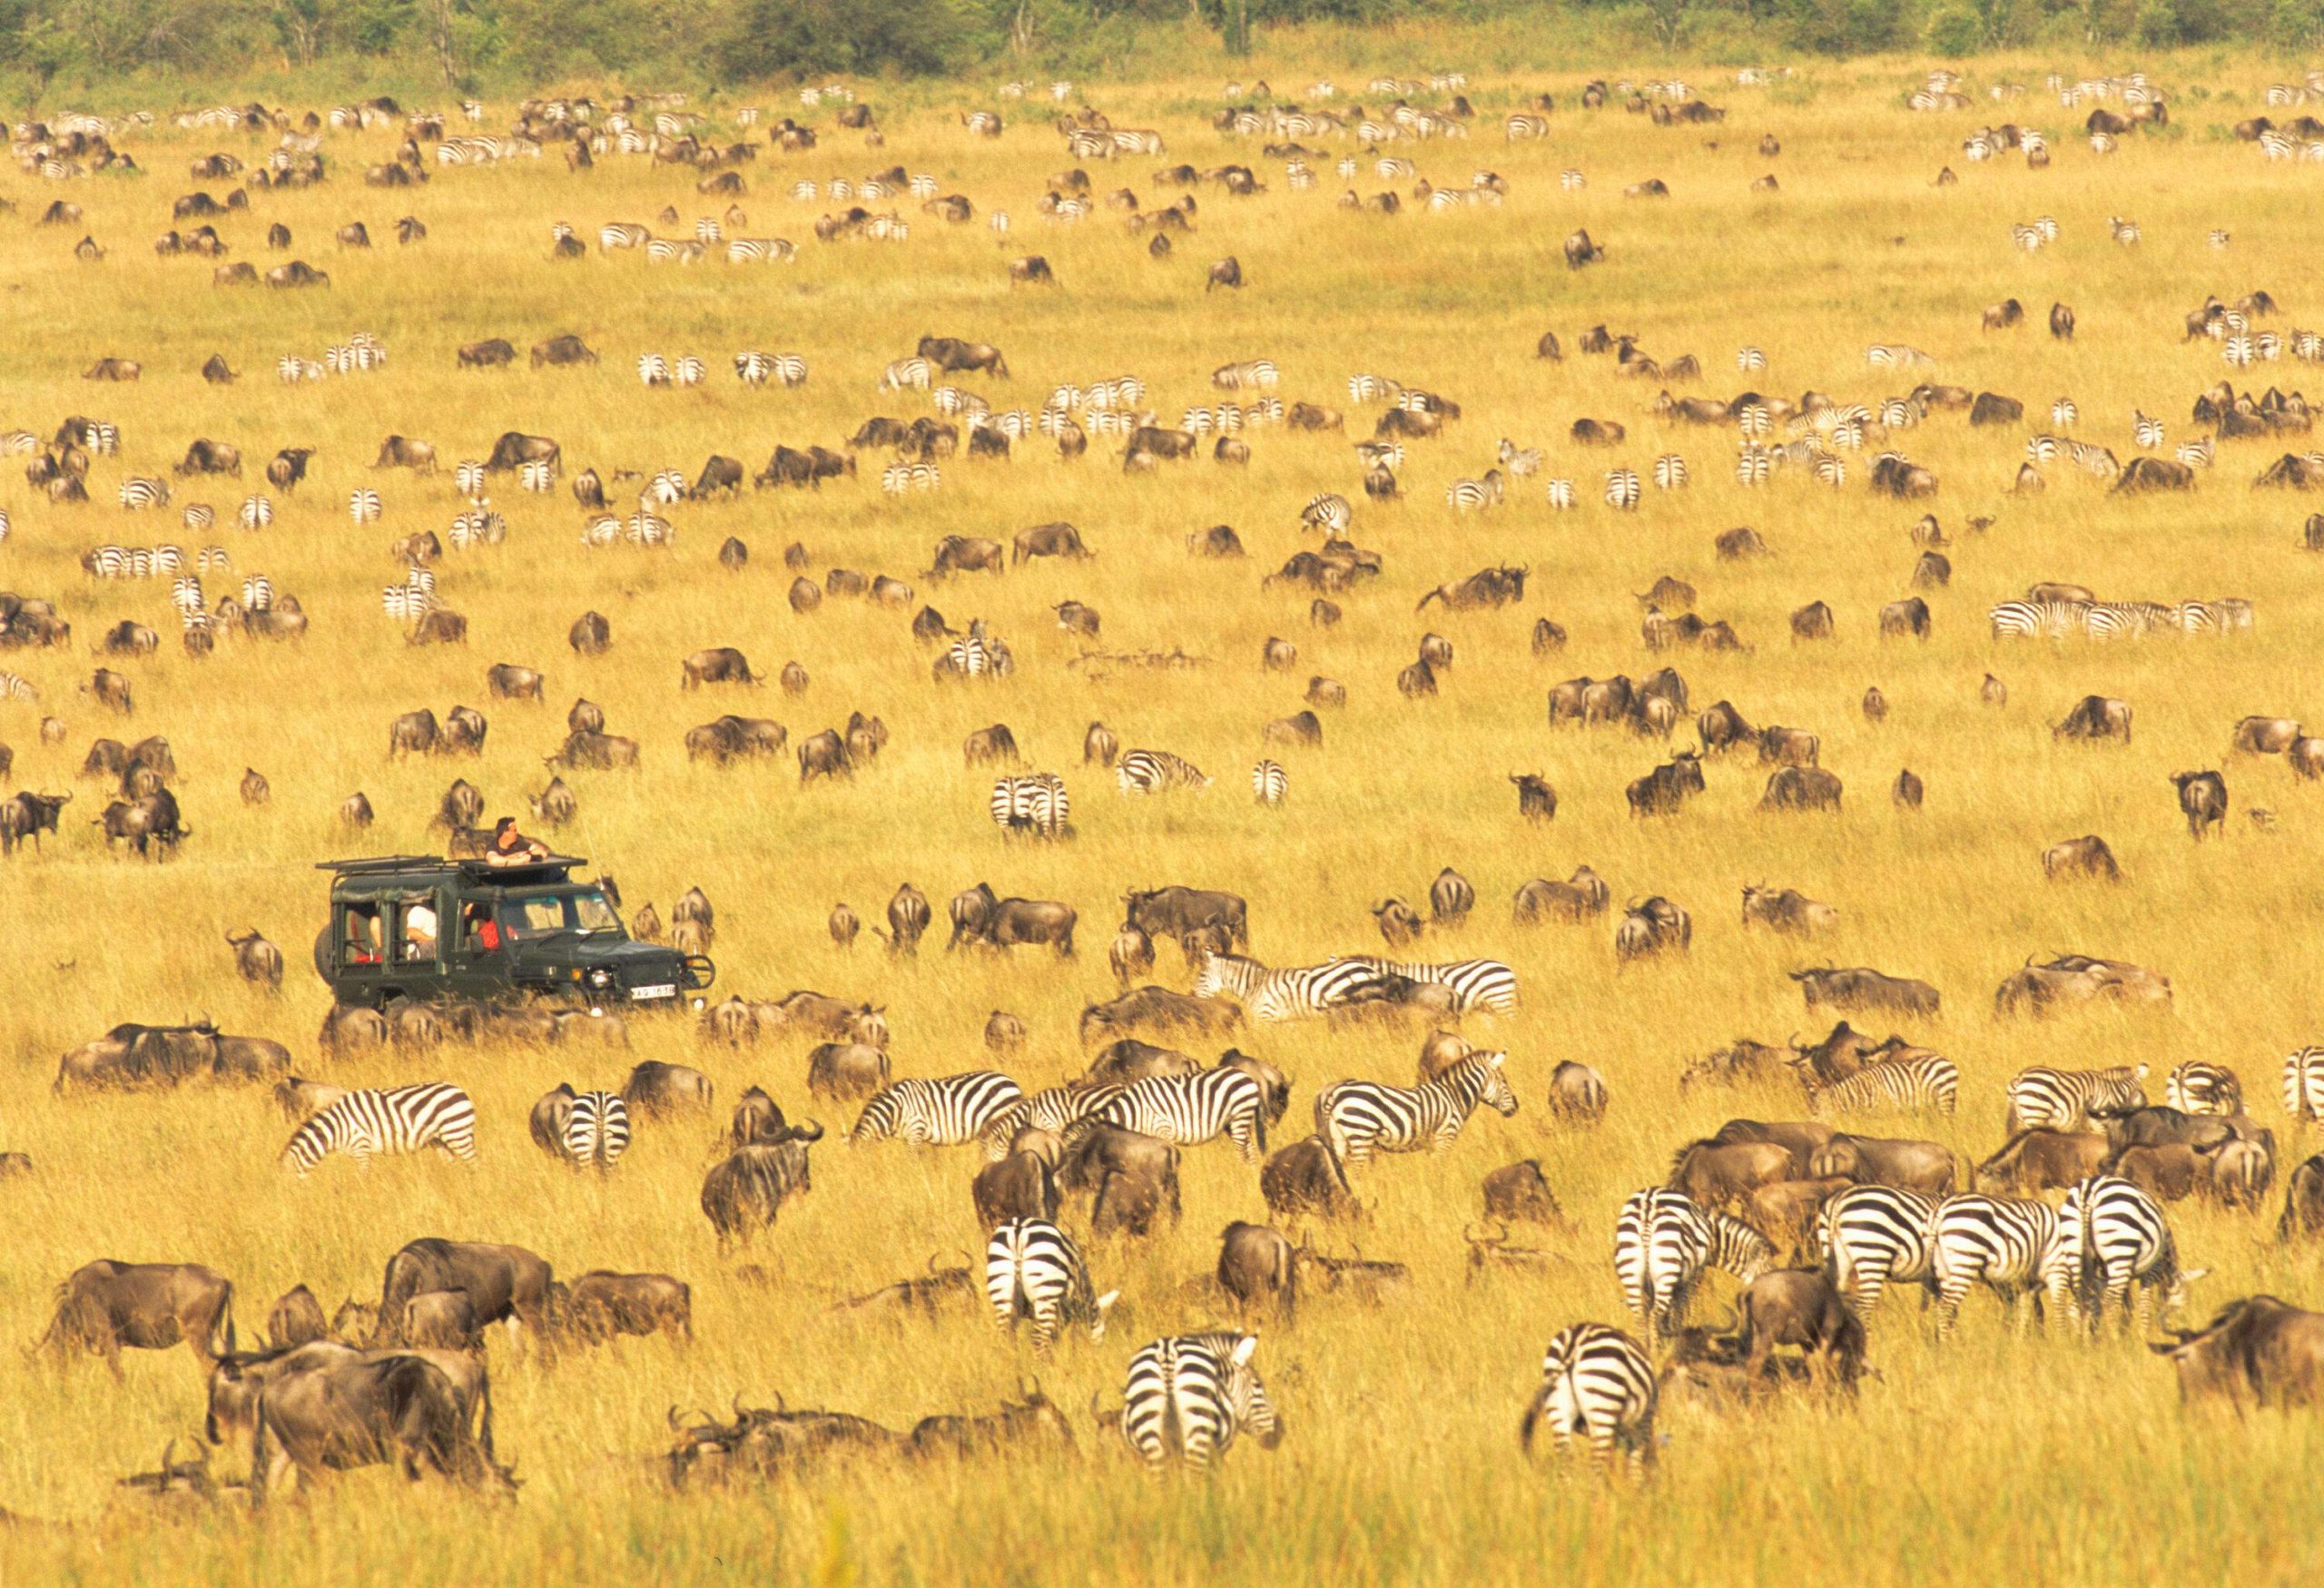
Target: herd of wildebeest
[[1814, 1216]]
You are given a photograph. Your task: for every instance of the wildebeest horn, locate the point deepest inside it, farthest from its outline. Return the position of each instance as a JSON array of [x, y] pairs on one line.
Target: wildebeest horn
[[1474, 1240], [931, 1262]]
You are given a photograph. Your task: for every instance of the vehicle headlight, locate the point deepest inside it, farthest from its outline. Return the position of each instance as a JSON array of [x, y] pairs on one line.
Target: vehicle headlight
[[601, 978]]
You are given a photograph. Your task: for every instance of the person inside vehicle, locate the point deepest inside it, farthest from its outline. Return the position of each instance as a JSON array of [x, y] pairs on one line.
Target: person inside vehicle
[[362, 940], [419, 932], [483, 933], [510, 847]]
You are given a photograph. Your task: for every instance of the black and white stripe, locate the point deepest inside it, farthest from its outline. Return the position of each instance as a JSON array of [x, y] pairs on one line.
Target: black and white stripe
[[1055, 1108], [760, 249], [1246, 375], [258, 593], [2039, 620], [255, 513], [1034, 1273], [596, 1131], [1269, 783], [2004, 1242], [1188, 1397], [1466, 496], [401, 1119], [1358, 1117], [1034, 804], [2196, 1087], [899, 477], [1157, 771], [2041, 1097], [1663, 1242], [2304, 1085], [1190, 1109], [1621, 488], [1478, 986], [138, 493], [1597, 1386], [1872, 1236], [1293, 992], [1917, 1082], [946, 1111], [363, 505], [2110, 1235]]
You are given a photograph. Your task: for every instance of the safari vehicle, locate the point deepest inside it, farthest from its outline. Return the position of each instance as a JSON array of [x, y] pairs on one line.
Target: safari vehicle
[[406, 926]]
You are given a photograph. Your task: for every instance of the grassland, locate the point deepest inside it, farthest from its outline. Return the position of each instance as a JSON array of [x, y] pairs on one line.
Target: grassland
[[1996, 1454]]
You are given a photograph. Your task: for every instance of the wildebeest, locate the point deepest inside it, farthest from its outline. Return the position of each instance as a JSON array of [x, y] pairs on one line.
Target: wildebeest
[[656, 1091], [2303, 1201], [1131, 1180], [846, 1070], [1048, 541], [325, 1409], [1665, 789], [1910, 1165], [1174, 912], [257, 960], [2257, 1348], [2202, 797], [716, 664], [602, 1304], [1304, 1180], [1787, 911], [105, 1306], [1801, 788], [296, 1319], [562, 350], [1576, 1091], [2094, 716], [1795, 1307], [2033, 1162], [744, 1193], [1860, 988], [2265, 736], [1653, 927], [2086, 856], [1579, 251], [1719, 1174], [1573, 901], [1908, 616], [503, 1283], [1537, 801], [26, 814]]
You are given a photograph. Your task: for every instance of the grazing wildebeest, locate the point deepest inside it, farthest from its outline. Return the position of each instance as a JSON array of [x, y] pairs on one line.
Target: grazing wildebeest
[[2257, 1348], [1788, 911], [1860, 988], [1801, 788], [1256, 1267], [1536, 800], [846, 1070], [1910, 1165], [296, 1321], [105, 1306], [2087, 857], [1653, 927], [1130, 1178], [716, 664], [656, 1091], [503, 1283], [1573, 901], [602, 1304], [257, 960], [2265, 736], [2202, 796], [562, 350], [515, 448], [1173, 911], [1795, 1307], [325, 1409], [2095, 716], [1303, 1179]]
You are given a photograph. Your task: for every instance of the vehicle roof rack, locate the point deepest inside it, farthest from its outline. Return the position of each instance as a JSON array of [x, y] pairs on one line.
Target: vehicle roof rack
[[373, 865]]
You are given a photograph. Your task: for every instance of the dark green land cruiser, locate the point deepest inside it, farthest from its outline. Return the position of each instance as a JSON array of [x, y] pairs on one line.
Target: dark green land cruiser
[[417, 927]]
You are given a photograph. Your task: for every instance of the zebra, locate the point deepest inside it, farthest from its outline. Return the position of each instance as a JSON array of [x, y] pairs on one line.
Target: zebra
[[138, 493], [1357, 1119], [2063, 413], [2197, 454], [1033, 1271], [1560, 495], [1894, 356], [2119, 619], [1670, 472], [666, 487], [537, 474], [687, 372], [1922, 1080], [1269, 783], [1034, 803], [1157, 771], [1621, 488], [2001, 1241], [2148, 430], [2218, 238], [291, 370], [1753, 467], [1188, 1397], [1571, 181], [2199, 1087], [482, 527], [1467, 495], [1190, 1109], [949, 1110], [1248, 374], [707, 230], [197, 517], [761, 251], [1830, 471], [1290, 994], [213, 556], [1058, 1109], [1521, 125], [1522, 462], [2041, 1097], [399, 1119], [899, 477], [616, 234], [363, 505], [653, 369], [258, 593], [2304, 1085], [596, 1131], [186, 594], [2038, 619], [1327, 511], [1478, 986], [1871, 1234], [1597, 1385], [2111, 1233], [255, 513], [2029, 238], [2125, 232], [665, 251], [1750, 360], [1663, 1244], [644, 529]]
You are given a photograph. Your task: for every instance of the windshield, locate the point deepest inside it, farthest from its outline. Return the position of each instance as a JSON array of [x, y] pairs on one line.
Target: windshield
[[537, 915]]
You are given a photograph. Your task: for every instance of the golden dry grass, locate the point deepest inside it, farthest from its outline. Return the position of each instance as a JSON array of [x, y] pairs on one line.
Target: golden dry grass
[[1996, 1454]]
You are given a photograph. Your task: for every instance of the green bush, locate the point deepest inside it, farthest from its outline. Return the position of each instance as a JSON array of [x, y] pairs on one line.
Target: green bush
[[1955, 31]]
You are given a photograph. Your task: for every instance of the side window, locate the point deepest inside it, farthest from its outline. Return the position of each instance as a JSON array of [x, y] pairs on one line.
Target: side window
[[362, 936], [416, 942], [478, 934]]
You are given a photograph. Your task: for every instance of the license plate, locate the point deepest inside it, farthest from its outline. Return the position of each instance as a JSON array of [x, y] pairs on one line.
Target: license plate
[[666, 990]]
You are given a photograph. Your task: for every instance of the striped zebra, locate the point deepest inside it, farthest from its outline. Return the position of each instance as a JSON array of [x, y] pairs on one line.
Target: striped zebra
[[2008, 1244], [106, 562], [1248, 375], [1753, 467], [212, 558], [1571, 181], [707, 230], [1750, 360], [1293, 992], [1670, 472], [596, 1130], [645, 529], [1621, 488], [186, 594], [2110, 1235], [946, 1111], [1359, 1118], [601, 532], [2236, 350], [2197, 454], [1521, 126], [363, 505], [291, 370], [953, 399], [1327, 511], [197, 517], [1464, 496], [138, 493], [2199, 1087], [1188, 1397], [1871, 1235], [1597, 1386], [899, 477], [2038, 619], [687, 372], [469, 480], [616, 234], [1830, 471], [2218, 238], [1478, 986], [2304, 1085], [666, 487], [255, 513], [258, 593], [2043, 1098], [2063, 413], [2125, 232], [2028, 238], [1523, 462], [1663, 1244], [761, 251], [481, 527], [968, 657], [1560, 494], [668, 250], [2148, 430], [400, 1118], [1898, 413], [1190, 1109], [1057, 1109], [1034, 1273], [537, 474], [653, 369], [1269, 783], [1919, 1080], [1157, 771], [1896, 356], [1036, 805]]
